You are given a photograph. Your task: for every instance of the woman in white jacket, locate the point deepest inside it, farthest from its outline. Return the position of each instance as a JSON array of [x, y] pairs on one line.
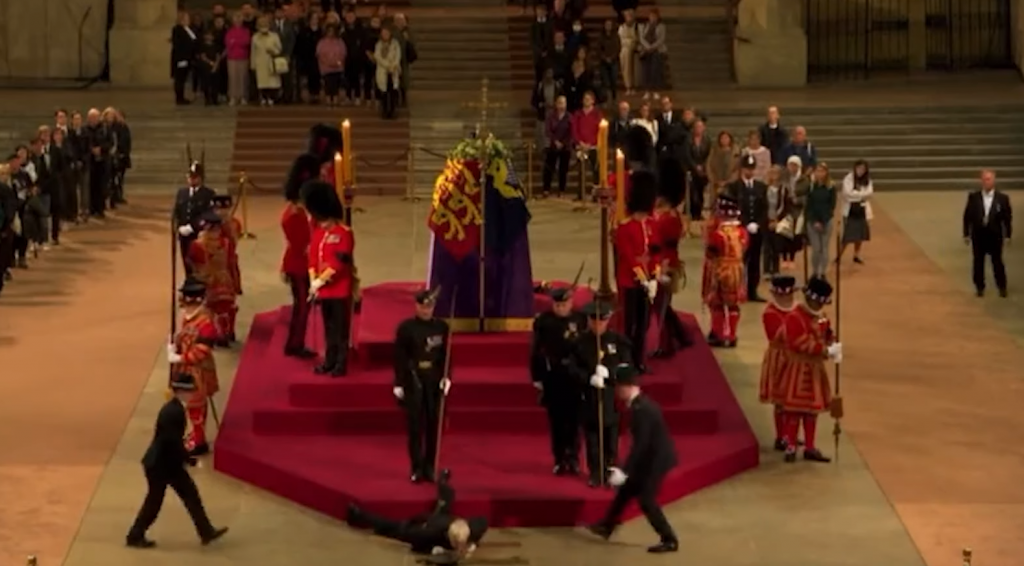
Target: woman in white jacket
[[387, 54], [629, 40], [647, 121], [856, 203]]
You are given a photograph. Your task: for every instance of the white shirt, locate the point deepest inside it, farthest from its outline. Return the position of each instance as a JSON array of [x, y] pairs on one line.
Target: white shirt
[[986, 200]]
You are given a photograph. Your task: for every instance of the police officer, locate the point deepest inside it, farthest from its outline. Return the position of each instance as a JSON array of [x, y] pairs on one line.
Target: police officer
[[421, 352], [551, 358], [190, 204], [164, 464], [598, 351]]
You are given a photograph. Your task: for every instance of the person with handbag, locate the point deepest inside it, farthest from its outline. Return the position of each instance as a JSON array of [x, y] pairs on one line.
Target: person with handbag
[[857, 192], [780, 223], [266, 62], [797, 185]]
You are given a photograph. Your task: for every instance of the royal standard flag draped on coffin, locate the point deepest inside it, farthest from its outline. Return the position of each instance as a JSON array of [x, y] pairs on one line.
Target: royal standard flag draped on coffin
[[455, 214]]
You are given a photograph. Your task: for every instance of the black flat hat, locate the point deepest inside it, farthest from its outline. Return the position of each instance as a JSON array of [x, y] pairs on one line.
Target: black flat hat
[[427, 296], [598, 310], [560, 294], [626, 374], [193, 288]]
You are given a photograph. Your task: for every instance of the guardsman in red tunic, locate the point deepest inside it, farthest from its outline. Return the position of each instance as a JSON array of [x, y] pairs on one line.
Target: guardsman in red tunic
[[773, 320], [668, 230], [232, 226], [297, 229], [211, 256], [723, 286], [804, 388], [191, 352], [331, 266], [635, 278]]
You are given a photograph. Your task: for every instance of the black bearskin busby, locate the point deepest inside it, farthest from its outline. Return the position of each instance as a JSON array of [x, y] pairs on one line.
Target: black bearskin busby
[[638, 147], [306, 167], [642, 192], [671, 182], [324, 142], [321, 201]]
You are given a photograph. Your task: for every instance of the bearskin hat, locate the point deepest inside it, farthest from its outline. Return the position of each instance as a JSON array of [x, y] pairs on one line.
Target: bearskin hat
[[638, 147], [306, 167], [671, 181], [321, 201], [324, 142], [642, 192]]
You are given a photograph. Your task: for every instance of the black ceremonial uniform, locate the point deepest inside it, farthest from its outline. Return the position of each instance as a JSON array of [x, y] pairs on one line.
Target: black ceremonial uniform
[[421, 348], [615, 350], [190, 204], [551, 368], [164, 464]]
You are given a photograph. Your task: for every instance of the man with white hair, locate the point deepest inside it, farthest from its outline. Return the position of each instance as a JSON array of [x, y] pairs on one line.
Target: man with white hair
[[100, 142], [800, 147]]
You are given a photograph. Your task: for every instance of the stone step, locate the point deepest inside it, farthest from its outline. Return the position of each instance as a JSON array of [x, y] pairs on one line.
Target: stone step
[[959, 183], [931, 151], [977, 120], [941, 176]]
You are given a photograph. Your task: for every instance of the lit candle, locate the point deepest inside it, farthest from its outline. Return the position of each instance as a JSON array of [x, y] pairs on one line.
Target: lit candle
[[346, 148], [620, 185], [602, 150]]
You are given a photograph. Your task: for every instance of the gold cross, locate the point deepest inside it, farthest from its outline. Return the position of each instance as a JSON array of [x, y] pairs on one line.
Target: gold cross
[[484, 105]]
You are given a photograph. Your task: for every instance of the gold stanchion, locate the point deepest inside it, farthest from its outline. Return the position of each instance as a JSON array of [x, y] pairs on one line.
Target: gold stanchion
[[968, 554], [581, 203], [529, 170], [31, 561], [410, 182], [243, 197]]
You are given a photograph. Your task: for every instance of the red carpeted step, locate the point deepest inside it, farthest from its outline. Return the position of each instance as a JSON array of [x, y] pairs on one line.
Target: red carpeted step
[[505, 478]]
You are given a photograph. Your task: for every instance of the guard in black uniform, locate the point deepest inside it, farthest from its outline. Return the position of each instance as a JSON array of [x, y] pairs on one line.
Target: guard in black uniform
[[650, 459], [551, 368], [164, 464], [440, 533], [190, 204], [421, 351], [592, 367]]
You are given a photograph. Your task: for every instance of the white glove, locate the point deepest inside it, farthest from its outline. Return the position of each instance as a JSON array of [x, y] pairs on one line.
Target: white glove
[[652, 289], [617, 478], [398, 392], [446, 385], [437, 551], [186, 230], [665, 279], [752, 228], [173, 356], [538, 386], [602, 371], [835, 350], [316, 284], [838, 358], [597, 380]]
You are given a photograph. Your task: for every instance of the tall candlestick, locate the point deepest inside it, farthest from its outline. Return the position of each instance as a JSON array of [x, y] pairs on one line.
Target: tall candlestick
[[620, 185], [346, 148], [602, 149]]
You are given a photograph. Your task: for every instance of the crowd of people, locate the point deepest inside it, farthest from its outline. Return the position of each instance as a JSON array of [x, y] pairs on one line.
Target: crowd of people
[[67, 173], [293, 53]]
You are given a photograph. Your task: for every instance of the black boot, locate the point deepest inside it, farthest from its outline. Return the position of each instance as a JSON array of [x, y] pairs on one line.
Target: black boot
[[780, 445], [814, 455]]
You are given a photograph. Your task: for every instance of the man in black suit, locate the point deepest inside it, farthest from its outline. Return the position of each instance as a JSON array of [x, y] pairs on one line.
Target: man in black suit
[[651, 457], [752, 196], [183, 54], [164, 464], [988, 225], [191, 202]]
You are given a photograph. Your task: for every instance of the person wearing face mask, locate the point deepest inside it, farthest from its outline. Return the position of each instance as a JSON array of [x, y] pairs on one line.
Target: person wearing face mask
[[190, 204]]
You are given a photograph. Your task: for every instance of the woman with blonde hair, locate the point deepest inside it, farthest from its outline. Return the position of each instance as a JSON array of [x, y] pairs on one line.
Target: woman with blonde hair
[[818, 215], [266, 49], [722, 162]]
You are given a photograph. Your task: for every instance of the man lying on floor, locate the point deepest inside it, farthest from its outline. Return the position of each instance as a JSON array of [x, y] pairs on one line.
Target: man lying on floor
[[443, 537]]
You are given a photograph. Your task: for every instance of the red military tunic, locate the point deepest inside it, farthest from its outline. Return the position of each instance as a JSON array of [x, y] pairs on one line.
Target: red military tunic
[[297, 232], [723, 286], [194, 343], [331, 260], [634, 262], [212, 255], [773, 320], [668, 229], [803, 384]]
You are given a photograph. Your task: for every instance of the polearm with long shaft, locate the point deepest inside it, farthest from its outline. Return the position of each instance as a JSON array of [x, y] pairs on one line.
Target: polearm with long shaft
[[444, 375], [836, 409]]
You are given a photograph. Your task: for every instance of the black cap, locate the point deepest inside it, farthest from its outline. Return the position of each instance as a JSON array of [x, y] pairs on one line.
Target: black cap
[[783, 285], [626, 374], [817, 289], [598, 310], [222, 201], [427, 296], [748, 162], [210, 218], [183, 382], [560, 294], [726, 206], [195, 169], [193, 288]]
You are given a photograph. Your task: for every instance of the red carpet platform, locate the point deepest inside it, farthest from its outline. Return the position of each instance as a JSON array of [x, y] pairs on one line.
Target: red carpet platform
[[324, 442]]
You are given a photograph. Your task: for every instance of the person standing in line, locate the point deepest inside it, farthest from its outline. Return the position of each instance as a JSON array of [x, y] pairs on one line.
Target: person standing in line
[[237, 48], [295, 261], [753, 200], [183, 54], [635, 279], [722, 282], [558, 132], [651, 457], [857, 192], [987, 228], [773, 320], [819, 214], [164, 465]]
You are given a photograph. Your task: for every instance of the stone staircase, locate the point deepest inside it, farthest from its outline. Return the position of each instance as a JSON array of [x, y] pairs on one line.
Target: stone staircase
[[700, 50], [267, 140], [908, 148], [457, 51]]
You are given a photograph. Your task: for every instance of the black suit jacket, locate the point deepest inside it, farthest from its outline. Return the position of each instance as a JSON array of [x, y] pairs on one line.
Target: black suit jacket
[[183, 49], [166, 452], [652, 453], [753, 202], [998, 222], [188, 209], [672, 134]]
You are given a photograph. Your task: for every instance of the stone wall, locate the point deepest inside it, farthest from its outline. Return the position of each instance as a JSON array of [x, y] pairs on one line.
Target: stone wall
[[140, 43], [39, 39]]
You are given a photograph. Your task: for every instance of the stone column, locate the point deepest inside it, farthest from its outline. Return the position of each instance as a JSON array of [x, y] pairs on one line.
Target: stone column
[[140, 46], [918, 40], [771, 46]]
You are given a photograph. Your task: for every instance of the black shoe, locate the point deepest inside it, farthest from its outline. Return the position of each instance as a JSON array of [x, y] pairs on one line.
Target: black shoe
[[572, 468], [558, 470], [339, 371], [200, 450], [445, 477], [323, 369], [354, 515], [415, 477], [141, 542], [223, 344], [790, 457], [780, 445], [594, 482], [815, 455], [300, 353], [858, 260], [660, 354], [664, 546], [600, 530], [714, 341], [216, 534], [428, 476], [642, 369], [730, 343], [979, 293], [1003, 293]]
